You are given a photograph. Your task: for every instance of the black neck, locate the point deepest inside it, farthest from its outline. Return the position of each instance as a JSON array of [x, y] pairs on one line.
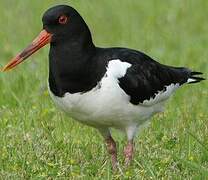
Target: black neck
[[70, 65]]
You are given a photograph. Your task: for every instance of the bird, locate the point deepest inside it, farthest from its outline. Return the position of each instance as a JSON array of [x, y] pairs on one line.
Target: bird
[[104, 88]]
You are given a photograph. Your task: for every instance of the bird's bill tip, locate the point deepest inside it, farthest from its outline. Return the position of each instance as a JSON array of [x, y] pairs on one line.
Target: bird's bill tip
[[41, 40]]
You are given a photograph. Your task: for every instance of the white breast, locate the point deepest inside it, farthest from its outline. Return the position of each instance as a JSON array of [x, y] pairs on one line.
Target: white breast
[[107, 104]]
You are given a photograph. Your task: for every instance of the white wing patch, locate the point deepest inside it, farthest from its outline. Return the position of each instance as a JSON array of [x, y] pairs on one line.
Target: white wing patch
[[117, 69]]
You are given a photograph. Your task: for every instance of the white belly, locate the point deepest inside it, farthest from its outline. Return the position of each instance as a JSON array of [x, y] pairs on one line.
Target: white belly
[[105, 107], [107, 104]]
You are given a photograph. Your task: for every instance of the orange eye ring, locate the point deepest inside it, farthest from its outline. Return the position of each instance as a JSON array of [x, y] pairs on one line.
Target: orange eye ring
[[63, 19]]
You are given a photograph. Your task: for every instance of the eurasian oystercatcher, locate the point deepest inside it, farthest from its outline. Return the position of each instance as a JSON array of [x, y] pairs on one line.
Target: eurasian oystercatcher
[[102, 87]]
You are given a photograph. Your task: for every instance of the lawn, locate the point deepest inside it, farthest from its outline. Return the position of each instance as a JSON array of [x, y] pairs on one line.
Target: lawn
[[37, 141]]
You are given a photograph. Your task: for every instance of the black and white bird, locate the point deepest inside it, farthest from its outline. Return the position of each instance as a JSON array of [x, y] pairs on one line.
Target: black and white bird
[[102, 87]]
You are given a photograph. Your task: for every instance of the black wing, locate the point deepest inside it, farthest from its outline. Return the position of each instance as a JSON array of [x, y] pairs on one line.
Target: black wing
[[146, 77]]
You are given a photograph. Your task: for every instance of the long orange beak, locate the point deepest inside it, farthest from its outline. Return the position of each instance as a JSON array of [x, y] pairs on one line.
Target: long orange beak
[[41, 40]]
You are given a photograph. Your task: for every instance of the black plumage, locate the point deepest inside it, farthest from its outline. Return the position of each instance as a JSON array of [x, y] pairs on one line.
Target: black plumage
[[143, 80]]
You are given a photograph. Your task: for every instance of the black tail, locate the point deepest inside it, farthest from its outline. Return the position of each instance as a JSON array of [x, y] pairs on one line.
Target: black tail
[[194, 77]]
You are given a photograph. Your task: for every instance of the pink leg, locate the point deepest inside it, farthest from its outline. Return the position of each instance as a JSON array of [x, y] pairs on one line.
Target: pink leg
[[111, 147], [128, 152]]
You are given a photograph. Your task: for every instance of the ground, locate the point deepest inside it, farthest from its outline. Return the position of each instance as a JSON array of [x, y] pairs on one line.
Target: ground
[[40, 142]]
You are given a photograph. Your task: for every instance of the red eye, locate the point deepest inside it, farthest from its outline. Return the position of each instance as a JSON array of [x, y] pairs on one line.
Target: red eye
[[63, 19]]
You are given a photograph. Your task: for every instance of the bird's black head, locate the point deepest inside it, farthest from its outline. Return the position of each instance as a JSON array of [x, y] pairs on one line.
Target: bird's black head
[[67, 32], [64, 23]]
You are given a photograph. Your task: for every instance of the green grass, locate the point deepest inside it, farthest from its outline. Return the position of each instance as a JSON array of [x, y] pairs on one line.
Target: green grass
[[39, 142]]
